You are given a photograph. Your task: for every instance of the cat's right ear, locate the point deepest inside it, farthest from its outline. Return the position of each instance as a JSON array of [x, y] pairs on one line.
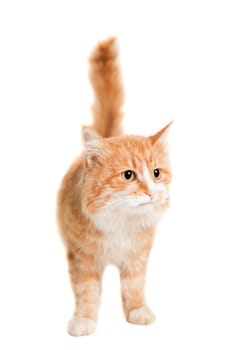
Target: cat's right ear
[[92, 144]]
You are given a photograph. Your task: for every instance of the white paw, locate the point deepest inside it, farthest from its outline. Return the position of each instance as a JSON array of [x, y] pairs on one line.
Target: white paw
[[81, 326], [142, 315]]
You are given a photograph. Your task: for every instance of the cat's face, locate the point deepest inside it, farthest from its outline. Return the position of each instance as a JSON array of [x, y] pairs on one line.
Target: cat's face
[[127, 176]]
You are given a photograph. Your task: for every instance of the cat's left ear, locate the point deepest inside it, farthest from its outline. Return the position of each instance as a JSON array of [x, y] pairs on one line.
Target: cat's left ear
[[92, 144], [161, 136]]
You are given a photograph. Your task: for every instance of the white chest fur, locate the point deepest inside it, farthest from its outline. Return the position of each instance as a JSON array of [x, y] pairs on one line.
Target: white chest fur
[[121, 232]]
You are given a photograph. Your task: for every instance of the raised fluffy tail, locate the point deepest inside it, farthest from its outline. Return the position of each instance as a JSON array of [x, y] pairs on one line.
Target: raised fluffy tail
[[105, 78]]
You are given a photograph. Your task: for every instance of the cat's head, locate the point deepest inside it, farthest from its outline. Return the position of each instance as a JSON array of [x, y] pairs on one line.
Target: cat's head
[[126, 177]]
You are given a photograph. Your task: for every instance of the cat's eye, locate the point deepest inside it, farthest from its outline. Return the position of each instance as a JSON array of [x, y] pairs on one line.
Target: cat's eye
[[156, 173], [128, 175]]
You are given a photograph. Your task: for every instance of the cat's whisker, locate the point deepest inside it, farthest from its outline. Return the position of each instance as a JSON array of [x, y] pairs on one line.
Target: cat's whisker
[[115, 202]]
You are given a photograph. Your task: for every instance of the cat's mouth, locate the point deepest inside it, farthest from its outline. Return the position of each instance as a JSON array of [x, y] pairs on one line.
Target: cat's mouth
[[146, 204]]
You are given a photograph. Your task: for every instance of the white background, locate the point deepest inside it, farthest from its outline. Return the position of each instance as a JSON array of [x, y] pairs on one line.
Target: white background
[[177, 63]]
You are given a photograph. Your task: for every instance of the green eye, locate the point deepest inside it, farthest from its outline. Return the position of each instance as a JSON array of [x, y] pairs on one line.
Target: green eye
[[156, 173], [128, 175]]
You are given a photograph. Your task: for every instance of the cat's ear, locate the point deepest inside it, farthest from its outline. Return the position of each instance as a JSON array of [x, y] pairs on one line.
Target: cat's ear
[[92, 144], [161, 136]]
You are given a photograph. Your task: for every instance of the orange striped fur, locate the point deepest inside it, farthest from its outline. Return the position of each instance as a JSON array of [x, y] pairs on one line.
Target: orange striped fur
[[104, 216]]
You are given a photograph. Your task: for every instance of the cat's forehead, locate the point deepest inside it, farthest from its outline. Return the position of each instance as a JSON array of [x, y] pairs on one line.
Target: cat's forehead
[[132, 151], [129, 142]]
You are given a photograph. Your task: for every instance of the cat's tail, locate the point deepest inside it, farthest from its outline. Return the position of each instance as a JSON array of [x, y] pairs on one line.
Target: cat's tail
[[106, 82]]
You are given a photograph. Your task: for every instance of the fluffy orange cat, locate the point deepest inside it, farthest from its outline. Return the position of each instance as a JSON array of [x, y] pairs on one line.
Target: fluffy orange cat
[[110, 201]]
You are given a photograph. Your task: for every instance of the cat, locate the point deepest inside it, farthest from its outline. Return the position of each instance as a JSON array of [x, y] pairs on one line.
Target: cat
[[111, 199]]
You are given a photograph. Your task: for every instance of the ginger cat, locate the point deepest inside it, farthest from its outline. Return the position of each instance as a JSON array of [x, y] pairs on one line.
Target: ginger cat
[[110, 201]]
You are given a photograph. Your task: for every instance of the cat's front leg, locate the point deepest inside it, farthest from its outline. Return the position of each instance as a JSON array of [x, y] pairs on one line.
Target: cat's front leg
[[86, 285], [133, 299]]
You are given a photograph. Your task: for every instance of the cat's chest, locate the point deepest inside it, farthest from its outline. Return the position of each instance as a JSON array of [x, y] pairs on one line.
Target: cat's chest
[[123, 234]]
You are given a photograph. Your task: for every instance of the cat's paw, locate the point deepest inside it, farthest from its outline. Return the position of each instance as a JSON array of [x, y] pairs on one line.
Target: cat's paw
[[78, 326], [141, 316]]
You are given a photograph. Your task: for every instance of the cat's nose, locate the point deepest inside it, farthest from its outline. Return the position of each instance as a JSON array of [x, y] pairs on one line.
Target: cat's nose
[[150, 194]]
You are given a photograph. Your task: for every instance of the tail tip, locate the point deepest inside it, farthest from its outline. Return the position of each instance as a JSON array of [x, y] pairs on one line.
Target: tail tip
[[105, 50]]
